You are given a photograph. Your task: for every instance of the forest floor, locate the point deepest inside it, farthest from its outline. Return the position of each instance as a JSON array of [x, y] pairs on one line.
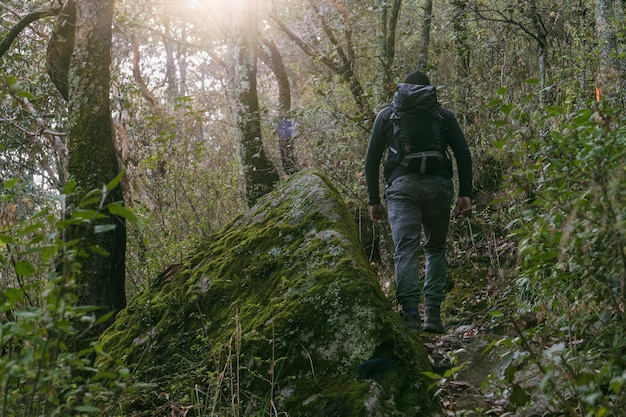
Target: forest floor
[[467, 358], [465, 370], [469, 363]]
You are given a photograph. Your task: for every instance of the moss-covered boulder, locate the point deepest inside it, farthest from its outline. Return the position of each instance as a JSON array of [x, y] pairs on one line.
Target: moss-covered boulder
[[280, 312]]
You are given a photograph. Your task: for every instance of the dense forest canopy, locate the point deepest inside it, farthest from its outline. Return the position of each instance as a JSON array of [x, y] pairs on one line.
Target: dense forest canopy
[[211, 102]]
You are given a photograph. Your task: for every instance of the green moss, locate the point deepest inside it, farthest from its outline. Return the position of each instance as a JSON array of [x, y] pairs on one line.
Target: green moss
[[283, 291]]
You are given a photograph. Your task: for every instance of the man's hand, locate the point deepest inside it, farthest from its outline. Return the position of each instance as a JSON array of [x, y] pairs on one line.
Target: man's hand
[[377, 212], [463, 207]]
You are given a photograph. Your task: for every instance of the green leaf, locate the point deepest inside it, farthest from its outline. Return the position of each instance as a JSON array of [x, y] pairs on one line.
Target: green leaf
[[509, 373], [117, 209], [115, 181], [105, 317], [519, 396], [103, 228], [87, 215], [24, 268], [499, 123], [545, 381], [499, 144], [431, 375], [92, 197], [616, 385], [48, 252], [29, 314], [585, 378], [507, 108], [25, 94], [69, 187], [544, 256], [555, 110], [87, 409], [5, 240], [10, 183], [532, 81], [30, 229], [601, 412], [13, 295]]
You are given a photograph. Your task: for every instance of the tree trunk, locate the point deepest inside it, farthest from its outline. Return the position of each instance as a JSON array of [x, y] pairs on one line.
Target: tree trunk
[[422, 56], [171, 77], [463, 55], [540, 33], [60, 48], [386, 48], [286, 126], [92, 160], [259, 172]]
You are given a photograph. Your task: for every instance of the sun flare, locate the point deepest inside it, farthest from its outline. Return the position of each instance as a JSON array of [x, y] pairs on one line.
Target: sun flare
[[197, 9]]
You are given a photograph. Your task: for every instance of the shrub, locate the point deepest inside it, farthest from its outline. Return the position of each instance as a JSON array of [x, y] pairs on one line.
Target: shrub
[[41, 370], [569, 224]]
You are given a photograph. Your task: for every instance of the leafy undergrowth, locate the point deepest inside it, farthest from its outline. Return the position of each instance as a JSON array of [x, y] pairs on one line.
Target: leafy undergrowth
[[536, 327]]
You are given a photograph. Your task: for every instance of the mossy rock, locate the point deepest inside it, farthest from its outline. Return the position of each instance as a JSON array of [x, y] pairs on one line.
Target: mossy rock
[[280, 311]]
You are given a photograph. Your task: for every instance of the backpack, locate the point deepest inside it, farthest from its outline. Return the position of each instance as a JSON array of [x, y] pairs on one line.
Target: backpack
[[416, 143]]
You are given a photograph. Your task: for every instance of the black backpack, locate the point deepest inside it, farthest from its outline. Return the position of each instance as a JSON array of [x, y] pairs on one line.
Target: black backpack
[[416, 143]]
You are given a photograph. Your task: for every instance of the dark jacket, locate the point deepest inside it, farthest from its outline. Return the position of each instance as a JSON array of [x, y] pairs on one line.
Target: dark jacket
[[382, 132]]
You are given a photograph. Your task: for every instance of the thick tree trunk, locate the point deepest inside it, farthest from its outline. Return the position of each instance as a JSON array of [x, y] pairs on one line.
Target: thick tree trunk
[[92, 160], [422, 58], [259, 172]]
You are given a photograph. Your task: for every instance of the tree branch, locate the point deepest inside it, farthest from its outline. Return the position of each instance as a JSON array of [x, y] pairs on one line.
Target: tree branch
[[344, 68], [345, 61], [302, 44], [21, 25], [145, 91], [508, 21]]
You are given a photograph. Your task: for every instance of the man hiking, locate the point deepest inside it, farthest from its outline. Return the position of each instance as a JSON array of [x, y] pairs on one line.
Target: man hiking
[[416, 132]]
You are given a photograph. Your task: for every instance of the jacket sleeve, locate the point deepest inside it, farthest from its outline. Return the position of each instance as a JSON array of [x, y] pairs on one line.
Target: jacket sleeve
[[456, 141], [375, 150]]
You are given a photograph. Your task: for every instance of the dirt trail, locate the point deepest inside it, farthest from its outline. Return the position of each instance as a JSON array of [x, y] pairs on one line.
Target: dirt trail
[[459, 358]]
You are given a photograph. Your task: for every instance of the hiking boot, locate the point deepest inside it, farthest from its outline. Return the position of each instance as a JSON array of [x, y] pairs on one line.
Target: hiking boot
[[432, 320], [412, 320]]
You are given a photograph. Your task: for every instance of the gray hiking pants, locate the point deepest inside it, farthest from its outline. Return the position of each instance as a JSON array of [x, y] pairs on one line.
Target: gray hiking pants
[[415, 203]]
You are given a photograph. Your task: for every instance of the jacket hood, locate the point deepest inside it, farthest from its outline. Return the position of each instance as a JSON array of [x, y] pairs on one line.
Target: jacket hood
[[410, 97]]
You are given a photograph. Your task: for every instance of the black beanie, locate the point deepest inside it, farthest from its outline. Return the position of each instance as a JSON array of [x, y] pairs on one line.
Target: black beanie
[[417, 78]]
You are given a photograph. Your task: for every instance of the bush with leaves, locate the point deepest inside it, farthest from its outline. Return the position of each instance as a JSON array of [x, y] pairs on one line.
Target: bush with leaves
[[41, 371], [570, 225]]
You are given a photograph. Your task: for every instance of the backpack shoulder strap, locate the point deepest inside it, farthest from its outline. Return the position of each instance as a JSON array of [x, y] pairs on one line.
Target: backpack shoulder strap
[[437, 127], [398, 133]]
